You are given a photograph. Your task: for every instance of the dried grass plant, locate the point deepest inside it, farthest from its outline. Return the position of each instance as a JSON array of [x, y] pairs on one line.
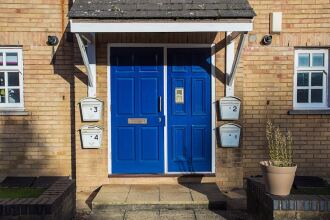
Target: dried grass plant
[[279, 146]]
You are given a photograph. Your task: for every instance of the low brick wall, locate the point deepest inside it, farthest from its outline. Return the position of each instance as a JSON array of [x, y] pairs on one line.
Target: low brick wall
[[264, 206], [56, 203]]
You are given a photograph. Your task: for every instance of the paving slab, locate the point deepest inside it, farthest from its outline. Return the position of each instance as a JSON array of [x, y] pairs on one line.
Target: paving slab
[[148, 197], [114, 215], [143, 198], [115, 188], [142, 215], [172, 188], [175, 197], [176, 215]]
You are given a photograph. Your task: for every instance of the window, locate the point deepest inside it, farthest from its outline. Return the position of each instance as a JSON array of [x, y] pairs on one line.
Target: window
[[11, 79], [311, 79]]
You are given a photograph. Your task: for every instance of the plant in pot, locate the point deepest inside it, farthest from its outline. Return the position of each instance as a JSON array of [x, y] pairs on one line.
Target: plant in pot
[[279, 171]]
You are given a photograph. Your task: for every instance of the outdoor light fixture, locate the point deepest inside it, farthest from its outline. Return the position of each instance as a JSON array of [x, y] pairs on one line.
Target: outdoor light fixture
[[275, 22], [52, 40], [267, 40]]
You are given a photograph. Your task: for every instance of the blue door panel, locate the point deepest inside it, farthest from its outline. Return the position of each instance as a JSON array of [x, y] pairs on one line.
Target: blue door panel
[[198, 142], [125, 138], [125, 87], [179, 143], [137, 122], [149, 139], [189, 123], [149, 86]]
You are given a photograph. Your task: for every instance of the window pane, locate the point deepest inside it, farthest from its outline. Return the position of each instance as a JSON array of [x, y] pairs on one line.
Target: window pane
[[1, 59], [317, 79], [2, 95], [318, 59], [302, 79], [302, 95], [13, 96], [2, 79], [303, 59], [316, 95], [11, 59], [13, 79]]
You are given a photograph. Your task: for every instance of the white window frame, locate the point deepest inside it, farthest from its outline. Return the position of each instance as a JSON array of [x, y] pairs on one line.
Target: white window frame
[[19, 68], [324, 69]]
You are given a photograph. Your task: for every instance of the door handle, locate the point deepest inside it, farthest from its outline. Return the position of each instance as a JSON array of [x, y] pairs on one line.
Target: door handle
[[159, 104]]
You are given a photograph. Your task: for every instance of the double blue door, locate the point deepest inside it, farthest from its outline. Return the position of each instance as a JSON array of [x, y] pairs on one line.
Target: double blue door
[[137, 110]]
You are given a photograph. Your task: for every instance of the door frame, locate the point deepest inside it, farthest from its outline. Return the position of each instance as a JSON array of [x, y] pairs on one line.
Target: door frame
[[165, 46]]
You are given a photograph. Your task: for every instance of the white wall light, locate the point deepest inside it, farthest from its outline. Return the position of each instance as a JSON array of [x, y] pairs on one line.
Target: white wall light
[[276, 22]]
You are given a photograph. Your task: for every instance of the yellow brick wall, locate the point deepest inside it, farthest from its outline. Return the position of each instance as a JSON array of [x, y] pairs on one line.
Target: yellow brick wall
[[39, 143], [268, 78], [47, 140]]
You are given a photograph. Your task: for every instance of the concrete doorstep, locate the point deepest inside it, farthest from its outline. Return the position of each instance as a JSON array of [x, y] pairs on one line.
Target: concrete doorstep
[[156, 197], [189, 201]]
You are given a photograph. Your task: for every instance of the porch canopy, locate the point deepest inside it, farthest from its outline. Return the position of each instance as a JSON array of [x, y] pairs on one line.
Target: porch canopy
[[88, 17], [161, 16]]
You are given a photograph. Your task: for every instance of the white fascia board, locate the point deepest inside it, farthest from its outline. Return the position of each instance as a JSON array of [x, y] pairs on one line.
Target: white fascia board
[[122, 27]]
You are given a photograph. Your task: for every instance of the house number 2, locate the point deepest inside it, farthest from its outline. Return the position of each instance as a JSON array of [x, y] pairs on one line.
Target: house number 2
[[95, 109]]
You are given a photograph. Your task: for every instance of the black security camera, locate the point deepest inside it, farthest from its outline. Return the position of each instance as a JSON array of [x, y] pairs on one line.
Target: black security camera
[[267, 40], [52, 40]]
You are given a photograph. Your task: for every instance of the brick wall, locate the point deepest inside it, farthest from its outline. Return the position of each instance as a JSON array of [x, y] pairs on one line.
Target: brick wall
[[38, 143], [46, 141], [268, 78]]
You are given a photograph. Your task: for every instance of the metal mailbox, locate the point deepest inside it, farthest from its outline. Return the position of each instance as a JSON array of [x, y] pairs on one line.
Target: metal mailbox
[[91, 136], [230, 135], [230, 108], [91, 109]]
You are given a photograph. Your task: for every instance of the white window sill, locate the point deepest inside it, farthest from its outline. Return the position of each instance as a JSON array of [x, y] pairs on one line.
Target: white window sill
[[4, 112], [309, 112]]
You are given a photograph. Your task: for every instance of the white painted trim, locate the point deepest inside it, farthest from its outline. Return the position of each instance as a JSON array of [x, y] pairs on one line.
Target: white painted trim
[[109, 109], [230, 57], [165, 113], [213, 106], [125, 27], [91, 54], [325, 69], [213, 99]]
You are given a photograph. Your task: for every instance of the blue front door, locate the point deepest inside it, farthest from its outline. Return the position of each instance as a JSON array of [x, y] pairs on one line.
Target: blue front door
[[137, 117], [189, 110]]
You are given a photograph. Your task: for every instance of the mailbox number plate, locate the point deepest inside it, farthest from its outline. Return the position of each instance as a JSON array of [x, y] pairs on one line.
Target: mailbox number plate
[[139, 121]]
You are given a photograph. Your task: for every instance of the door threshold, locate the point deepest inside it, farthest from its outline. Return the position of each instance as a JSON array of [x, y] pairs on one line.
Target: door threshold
[[161, 175]]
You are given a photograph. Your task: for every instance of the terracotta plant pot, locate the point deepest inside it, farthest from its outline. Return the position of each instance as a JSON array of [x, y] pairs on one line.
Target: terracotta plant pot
[[278, 180]]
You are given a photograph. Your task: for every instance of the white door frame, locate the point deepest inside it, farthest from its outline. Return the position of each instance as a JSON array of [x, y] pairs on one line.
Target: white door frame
[[213, 98]]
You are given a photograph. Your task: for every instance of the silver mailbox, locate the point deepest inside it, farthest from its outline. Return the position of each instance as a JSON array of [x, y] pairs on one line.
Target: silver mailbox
[[91, 136], [230, 135], [230, 108], [91, 109]]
